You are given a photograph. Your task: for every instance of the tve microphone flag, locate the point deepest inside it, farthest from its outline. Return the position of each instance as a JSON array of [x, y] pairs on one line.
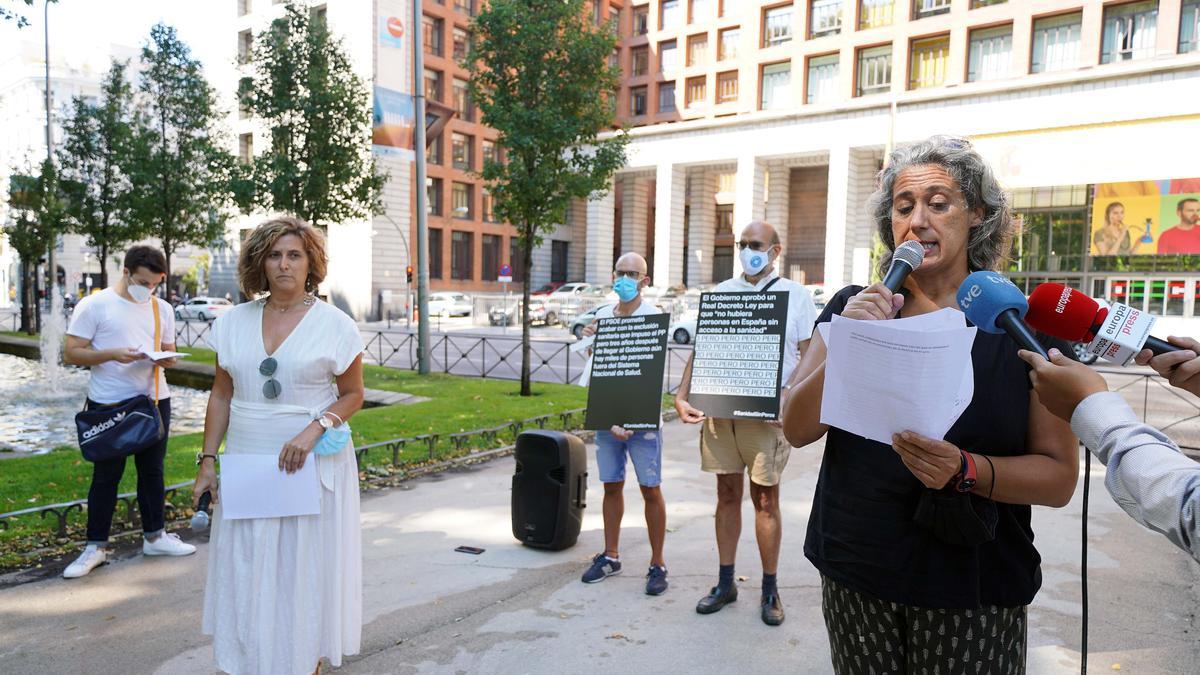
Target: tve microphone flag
[[995, 305], [1115, 333]]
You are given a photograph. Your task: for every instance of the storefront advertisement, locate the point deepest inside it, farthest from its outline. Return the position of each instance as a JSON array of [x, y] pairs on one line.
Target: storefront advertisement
[[1146, 218]]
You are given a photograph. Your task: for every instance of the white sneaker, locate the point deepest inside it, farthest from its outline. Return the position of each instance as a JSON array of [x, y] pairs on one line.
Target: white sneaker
[[92, 557], [167, 544]]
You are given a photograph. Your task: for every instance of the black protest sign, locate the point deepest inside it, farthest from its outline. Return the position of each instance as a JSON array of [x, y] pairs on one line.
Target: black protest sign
[[628, 358], [739, 354]]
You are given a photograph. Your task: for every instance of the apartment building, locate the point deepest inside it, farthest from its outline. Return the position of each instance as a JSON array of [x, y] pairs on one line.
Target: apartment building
[[759, 109]]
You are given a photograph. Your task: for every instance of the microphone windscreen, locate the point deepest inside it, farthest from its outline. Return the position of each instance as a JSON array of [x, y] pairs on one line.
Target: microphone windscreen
[[910, 252], [1063, 312], [984, 296]]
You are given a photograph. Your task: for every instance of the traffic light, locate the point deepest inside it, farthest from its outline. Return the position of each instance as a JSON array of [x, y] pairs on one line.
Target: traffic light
[[409, 271]]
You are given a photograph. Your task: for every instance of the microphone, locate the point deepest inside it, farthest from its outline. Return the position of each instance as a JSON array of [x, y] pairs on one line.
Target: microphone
[[200, 520], [1116, 332], [995, 305], [906, 258]]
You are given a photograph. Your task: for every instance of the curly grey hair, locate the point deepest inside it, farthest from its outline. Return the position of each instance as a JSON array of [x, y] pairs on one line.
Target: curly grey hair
[[988, 243]]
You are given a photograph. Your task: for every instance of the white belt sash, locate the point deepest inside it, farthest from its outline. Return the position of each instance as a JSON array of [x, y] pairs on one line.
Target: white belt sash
[[264, 428]]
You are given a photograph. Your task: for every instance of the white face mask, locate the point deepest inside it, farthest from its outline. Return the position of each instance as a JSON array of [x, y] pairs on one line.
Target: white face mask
[[138, 292], [753, 261]]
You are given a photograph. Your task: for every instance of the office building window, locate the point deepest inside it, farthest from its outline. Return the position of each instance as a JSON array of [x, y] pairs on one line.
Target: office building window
[[727, 43], [824, 18], [697, 46], [927, 62], [318, 13], [727, 87], [462, 101], [1056, 43], [490, 257], [462, 255], [462, 43], [488, 205], [776, 86], [641, 19], [461, 150], [245, 147], [668, 56], [924, 8], [702, 10], [696, 92], [490, 152], [728, 7], [431, 28], [637, 101], [874, 70], [1189, 29], [822, 79], [558, 260], [465, 6], [990, 53], [245, 46], [1129, 31], [976, 4], [243, 7], [435, 253], [666, 97], [460, 197], [777, 26], [670, 14], [639, 61], [245, 86], [433, 196], [433, 85], [614, 19], [875, 13], [433, 154]]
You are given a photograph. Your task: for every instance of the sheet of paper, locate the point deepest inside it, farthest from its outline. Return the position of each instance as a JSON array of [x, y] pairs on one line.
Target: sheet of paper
[[583, 343], [159, 356], [252, 486], [884, 377]]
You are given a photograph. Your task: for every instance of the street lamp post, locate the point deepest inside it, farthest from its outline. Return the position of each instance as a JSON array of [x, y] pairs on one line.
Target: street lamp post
[[422, 223]]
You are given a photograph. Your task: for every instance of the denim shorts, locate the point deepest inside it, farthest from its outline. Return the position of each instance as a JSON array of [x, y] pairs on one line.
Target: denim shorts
[[644, 448]]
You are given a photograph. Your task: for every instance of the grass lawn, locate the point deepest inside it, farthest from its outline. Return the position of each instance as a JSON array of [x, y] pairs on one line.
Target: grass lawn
[[456, 404], [19, 333]]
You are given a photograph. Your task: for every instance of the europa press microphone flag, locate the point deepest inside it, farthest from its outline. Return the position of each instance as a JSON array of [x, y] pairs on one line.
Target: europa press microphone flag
[[1114, 332]]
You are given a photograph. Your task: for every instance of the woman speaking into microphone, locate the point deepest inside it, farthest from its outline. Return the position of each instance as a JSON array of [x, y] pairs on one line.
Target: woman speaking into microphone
[[925, 546]]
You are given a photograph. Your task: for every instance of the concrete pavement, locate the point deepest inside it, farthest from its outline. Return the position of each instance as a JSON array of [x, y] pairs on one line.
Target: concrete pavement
[[519, 610]]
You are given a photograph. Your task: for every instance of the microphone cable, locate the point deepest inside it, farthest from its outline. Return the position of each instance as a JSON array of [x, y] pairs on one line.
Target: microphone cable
[[1087, 479]]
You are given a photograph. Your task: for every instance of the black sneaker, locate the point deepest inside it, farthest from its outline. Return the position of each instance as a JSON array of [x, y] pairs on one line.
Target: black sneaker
[[656, 580], [715, 600], [602, 568]]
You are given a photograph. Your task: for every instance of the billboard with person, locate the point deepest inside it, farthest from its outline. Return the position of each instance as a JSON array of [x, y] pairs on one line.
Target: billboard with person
[[1146, 218]]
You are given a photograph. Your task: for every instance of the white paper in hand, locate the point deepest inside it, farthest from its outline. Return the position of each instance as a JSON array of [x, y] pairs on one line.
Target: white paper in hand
[[252, 486]]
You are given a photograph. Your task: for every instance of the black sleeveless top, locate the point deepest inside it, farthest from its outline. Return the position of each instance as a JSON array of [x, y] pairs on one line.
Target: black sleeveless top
[[861, 533]]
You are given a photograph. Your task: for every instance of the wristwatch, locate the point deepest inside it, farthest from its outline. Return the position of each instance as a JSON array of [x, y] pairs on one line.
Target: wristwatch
[[325, 422], [201, 456], [967, 475]]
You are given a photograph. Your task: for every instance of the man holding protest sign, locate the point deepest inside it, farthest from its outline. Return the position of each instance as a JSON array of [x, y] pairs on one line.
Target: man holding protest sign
[[770, 319], [629, 353]]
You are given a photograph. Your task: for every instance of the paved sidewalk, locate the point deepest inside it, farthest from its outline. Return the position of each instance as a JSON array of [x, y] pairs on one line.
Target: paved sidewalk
[[518, 610]]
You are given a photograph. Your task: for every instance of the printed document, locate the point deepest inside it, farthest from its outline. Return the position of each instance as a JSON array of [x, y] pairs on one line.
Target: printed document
[[910, 374], [253, 486]]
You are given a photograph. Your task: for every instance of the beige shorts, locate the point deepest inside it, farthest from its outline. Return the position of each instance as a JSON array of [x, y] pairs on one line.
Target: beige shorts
[[732, 446]]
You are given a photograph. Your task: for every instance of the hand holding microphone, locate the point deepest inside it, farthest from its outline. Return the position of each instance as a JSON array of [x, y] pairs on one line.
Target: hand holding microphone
[[881, 301], [1181, 367]]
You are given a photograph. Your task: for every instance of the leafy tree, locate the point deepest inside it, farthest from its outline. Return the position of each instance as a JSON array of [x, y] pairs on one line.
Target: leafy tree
[[181, 174], [96, 142], [540, 75], [37, 217], [318, 164], [8, 14]]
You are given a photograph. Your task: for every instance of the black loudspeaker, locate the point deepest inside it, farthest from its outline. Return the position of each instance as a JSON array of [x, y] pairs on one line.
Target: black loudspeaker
[[549, 489]]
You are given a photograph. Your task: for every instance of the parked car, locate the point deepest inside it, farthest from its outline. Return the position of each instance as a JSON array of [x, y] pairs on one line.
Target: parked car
[[508, 314], [202, 308], [446, 303], [569, 292], [583, 321], [546, 289], [683, 331]]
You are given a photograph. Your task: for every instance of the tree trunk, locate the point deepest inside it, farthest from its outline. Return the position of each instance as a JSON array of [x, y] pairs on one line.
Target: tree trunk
[[166, 245], [28, 297], [526, 265], [103, 255]]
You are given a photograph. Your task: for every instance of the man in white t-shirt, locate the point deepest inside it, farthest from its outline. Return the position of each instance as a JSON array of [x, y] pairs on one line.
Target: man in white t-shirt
[[109, 332], [618, 445], [730, 448]]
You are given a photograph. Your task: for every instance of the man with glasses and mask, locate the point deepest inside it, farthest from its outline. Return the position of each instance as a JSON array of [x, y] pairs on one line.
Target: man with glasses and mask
[[644, 448], [108, 333], [729, 448]]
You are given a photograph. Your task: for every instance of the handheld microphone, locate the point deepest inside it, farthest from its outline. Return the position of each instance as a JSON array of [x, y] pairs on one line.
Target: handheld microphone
[[201, 519], [906, 258], [995, 305], [1116, 332]]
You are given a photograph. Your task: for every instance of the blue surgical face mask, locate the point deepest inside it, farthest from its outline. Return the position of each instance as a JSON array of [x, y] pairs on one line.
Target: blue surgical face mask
[[753, 261], [626, 288]]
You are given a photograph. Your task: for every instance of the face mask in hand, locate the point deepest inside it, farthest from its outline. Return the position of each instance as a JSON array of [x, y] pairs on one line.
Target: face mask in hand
[[139, 293], [753, 261], [626, 288]]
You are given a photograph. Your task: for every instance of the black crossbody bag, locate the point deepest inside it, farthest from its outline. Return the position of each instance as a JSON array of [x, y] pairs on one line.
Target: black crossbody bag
[[126, 428]]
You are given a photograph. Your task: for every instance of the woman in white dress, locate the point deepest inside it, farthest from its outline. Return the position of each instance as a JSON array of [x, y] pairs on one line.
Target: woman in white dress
[[283, 593]]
